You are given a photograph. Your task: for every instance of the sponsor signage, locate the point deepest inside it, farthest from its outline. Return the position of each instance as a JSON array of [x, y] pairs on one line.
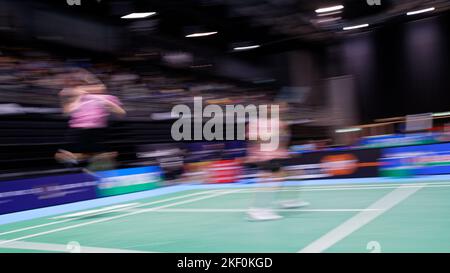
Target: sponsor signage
[[336, 164], [215, 150], [299, 149], [416, 160], [399, 140], [130, 180], [224, 171], [27, 194]]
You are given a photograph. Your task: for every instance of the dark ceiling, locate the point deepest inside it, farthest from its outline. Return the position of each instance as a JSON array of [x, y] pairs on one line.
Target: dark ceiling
[[265, 22]]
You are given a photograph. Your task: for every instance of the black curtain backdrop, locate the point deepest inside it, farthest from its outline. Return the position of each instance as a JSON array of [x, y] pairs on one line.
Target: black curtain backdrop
[[401, 68]]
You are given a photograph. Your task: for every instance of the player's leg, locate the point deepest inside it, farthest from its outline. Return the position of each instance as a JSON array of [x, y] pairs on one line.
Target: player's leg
[[103, 161], [65, 157], [288, 197], [72, 154], [262, 207], [102, 157]]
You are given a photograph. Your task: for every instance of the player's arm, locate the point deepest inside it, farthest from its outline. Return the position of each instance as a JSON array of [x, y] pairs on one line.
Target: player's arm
[[70, 99], [100, 89], [114, 107], [70, 106]]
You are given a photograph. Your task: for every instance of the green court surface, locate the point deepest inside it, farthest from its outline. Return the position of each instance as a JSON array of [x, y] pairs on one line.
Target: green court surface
[[340, 218]]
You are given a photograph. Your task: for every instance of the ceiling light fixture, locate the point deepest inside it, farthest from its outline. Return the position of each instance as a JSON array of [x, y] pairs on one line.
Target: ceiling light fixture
[[137, 15], [201, 34], [443, 114], [356, 27], [348, 130], [329, 9], [420, 11], [240, 48]]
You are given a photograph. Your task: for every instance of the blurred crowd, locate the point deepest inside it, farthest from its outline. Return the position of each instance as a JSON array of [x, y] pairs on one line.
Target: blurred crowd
[[31, 78]]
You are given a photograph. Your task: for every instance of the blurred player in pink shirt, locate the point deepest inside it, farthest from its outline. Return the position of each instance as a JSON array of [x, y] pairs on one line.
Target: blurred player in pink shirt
[[89, 107]]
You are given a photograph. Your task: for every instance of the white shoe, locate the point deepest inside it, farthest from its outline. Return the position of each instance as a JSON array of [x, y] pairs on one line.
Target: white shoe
[[293, 204], [262, 215]]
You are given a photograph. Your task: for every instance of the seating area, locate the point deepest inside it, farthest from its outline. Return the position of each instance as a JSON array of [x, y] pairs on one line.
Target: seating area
[[33, 126]]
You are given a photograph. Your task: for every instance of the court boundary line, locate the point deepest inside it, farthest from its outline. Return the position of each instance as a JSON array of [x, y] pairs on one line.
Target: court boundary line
[[105, 201], [359, 220], [349, 188], [113, 217], [240, 210], [73, 217], [22, 245], [102, 212], [98, 211], [209, 194], [68, 218]]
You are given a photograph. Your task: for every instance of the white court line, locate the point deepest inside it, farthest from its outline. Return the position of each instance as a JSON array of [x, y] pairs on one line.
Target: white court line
[[332, 188], [63, 248], [96, 211], [362, 184], [359, 220], [116, 217], [245, 190], [303, 188], [246, 210], [117, 210], [328, 189], [33, 227]]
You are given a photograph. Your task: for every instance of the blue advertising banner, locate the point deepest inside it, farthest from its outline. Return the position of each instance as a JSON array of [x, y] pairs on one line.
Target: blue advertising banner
[[300, 149], [215, 150], [130, 180], [204, 151], [26, 194], [399, 140], [416, 160], [234, 149]]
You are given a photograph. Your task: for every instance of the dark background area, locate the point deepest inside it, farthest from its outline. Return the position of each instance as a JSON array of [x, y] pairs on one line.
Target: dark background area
[[397, 66], [399, 69], [400, 64]]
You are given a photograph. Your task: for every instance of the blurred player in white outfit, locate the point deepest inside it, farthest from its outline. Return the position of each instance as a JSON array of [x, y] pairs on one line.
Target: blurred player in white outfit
[[269, 163]]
